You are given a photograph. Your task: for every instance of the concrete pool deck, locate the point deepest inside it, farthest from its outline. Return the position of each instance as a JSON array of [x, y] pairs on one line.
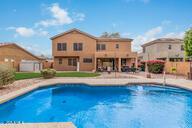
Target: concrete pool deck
[[183, 83], [39, 125]]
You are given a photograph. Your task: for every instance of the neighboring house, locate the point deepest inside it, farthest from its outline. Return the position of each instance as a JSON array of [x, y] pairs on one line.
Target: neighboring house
[[75, 50], [13, 54], [163, 49], [48, 63], [30, 66]]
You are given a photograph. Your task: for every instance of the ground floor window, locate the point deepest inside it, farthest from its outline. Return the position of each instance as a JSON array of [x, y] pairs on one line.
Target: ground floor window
[[60, 61], [87, 60], [176, 59], [103, 63], [123, 62], [72, 62]]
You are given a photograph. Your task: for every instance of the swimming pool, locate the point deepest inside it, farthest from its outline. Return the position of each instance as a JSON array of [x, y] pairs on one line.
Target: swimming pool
[[103, 106]]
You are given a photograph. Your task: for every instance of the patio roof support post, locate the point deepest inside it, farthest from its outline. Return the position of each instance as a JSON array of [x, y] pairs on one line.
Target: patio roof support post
[[78, 64], [136, 62], [95, 64], [119, 64]]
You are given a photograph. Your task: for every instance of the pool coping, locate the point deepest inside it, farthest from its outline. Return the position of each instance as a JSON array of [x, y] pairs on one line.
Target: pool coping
[[40, 125], [88, 82]]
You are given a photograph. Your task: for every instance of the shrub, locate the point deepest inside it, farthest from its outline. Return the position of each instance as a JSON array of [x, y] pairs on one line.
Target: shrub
[[155, 66], [174, 69], [6, 75], [133, 69], [48, 73], [142, 66]]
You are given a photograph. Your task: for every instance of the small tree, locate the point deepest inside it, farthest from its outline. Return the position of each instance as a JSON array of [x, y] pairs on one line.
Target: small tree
[[105, 34], [6, 75], [155, 66], [48, 73], [114, 35], [188, 43], [110, 35]]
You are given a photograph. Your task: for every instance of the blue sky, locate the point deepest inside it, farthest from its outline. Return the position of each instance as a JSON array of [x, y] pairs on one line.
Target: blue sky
[[31, 23]]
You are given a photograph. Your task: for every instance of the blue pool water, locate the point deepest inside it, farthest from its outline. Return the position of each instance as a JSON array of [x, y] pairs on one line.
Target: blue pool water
[[103, 107]]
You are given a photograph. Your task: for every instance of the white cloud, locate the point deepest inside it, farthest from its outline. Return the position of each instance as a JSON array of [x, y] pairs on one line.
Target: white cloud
[[166, 22], [25, 32], [10, 28], [14, 10], [114, 25], [78, 16], [41, 32], [153, 34], [175, 35], [126, 34], [144, 1], [36, 49], [146, 37], [60, 16]]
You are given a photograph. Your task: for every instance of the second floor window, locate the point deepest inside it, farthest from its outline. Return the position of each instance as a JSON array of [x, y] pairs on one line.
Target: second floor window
[[117, 46], [182, 47], [78, 46], [61, 47], [87, 60], [143, 49], [101, 47], [169, 47]]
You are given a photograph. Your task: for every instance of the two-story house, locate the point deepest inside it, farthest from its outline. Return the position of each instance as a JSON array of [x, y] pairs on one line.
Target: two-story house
[[75, 50], [167, 49]]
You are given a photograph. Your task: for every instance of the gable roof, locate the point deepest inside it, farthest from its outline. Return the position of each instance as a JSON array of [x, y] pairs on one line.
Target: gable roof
[[114, 39], [163, 40], [14, 44], [91, 36], [73, 30]]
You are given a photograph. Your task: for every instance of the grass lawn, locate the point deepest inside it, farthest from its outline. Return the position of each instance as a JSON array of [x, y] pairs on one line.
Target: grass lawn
[[28, 75], [76, 74]]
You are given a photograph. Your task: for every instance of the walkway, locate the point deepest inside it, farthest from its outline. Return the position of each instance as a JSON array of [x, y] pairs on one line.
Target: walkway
[[39, 125]]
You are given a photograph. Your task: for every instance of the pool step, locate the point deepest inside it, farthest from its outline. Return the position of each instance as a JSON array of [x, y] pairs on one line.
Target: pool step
[[39, 125]]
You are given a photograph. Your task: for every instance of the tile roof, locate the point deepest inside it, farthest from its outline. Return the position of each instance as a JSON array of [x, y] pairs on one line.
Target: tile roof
[[2, 44], [91, 36], [113, 39], [5, 43], [163, 40]]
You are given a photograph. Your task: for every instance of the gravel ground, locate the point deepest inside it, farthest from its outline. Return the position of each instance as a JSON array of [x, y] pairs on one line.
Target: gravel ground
[[160, 76], [18, 85]]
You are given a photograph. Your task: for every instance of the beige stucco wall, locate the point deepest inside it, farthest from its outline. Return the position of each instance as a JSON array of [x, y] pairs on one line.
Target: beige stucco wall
[[182, 67], [15, 53], [160, 50], [64, 66], [124, 50], [89, 50], [111, 46], [150, 52], [89, 44]]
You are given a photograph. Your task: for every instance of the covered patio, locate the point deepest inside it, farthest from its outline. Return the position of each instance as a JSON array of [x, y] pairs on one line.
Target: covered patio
[[115, 64]]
